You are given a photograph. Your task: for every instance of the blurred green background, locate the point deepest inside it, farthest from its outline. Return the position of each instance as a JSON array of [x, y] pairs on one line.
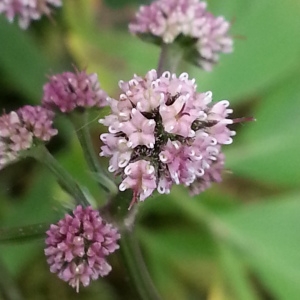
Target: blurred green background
[[240, 240]]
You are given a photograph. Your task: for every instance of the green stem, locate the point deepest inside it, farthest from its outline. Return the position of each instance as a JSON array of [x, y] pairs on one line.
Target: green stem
[[23, 233], [136, 267], [66, 181], [170, 58], [80, 121], [116, 211]]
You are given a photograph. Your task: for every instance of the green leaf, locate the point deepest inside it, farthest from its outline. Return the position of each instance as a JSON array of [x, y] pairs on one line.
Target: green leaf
[[268, 50], [22, 61], [267, 235], [182, 243], [235, 274], [178, 257], [269, 150], [114, 54], [37, 206]]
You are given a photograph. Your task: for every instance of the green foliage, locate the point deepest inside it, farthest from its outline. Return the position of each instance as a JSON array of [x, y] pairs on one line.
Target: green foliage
[[236, 241], [18, 54]]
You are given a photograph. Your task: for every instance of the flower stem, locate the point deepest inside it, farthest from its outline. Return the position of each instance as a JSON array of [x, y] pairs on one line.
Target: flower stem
[[116, 211], [23, 233], [170, 57], [136, 267], [80, 121], [65, 180]]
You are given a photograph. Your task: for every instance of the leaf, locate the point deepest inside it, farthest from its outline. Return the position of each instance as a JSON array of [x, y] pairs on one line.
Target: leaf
[[36, 207], [114, 54], [268, 50], [265, 235], [235, 274], [268, 237], [269, 148], [178, 260], [22, 61], [182, 243]]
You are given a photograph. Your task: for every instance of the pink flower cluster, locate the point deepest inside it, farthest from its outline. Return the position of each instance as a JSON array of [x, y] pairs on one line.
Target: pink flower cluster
[[27, 10], [188, 21], [22, 129], [68, 91], [77, 247], [162, 132]]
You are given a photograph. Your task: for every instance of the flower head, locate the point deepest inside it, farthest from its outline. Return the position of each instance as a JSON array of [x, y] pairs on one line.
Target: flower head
[[187, 22], [27, 10], [163, 132], [22, 129], [77, 247], [68, 91]]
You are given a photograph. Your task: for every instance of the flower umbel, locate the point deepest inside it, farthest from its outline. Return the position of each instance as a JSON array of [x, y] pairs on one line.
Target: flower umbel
[[163, 132], [188, 22], [69, 91], [27, 10], [22, 129], [77, 246]]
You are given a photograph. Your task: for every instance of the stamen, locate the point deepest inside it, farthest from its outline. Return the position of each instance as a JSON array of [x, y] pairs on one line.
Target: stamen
[[243, 119]]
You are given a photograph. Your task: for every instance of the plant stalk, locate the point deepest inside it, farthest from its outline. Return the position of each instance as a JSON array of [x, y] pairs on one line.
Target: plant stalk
[[136, 266], [65, 180], [80, 121], [170, 58], [23, 233]]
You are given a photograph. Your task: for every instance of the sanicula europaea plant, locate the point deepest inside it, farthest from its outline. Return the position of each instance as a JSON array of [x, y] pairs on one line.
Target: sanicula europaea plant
[[161, 131]]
